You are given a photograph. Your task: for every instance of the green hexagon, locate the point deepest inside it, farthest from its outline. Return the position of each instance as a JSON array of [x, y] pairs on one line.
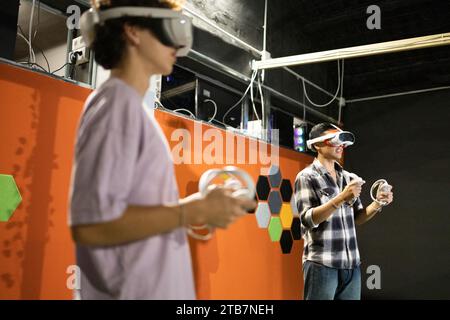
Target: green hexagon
[[275, 229], [10, 197]]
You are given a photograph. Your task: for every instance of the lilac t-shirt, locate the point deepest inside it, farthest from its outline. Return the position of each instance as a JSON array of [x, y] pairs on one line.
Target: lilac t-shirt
[[122, 158]]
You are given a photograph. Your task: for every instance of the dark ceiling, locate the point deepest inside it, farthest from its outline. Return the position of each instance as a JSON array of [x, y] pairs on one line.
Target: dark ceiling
[[313, 26], [301, 26]]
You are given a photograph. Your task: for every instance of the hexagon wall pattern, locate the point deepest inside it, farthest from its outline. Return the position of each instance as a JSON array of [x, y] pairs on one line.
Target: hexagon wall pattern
[[275, 229], [262, 188], [10, 197], [274, 176], [286, 216], [286, 190], [286, 241], [262, 215], [276, 210], [275, 201]]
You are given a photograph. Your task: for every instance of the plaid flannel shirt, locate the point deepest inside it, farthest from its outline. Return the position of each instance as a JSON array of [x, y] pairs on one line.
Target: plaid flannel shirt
[[333, 242]]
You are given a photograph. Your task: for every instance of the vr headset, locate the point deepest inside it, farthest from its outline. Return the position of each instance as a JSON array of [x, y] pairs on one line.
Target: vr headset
[[175, 28], [337, 138]]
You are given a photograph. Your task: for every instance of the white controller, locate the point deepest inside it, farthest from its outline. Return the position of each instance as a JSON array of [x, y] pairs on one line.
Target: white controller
[[383, 186], [235, 179], [356, 179]]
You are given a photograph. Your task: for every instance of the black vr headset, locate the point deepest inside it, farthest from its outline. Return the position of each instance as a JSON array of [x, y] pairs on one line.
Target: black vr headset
[[172, 28]]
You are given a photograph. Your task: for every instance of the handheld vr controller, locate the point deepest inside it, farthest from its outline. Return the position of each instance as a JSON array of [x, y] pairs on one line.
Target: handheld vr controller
[[232, 177], [377, 188], [380, 186]]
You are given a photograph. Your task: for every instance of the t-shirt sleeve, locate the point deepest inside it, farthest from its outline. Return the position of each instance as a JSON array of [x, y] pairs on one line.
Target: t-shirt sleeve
[[103, 173]]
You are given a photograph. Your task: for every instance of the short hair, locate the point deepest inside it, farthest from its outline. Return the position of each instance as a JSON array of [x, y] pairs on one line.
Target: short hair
[[318, 130], [109, 44]]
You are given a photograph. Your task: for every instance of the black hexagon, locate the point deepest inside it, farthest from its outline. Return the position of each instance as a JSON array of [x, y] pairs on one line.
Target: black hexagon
[[295, 229], [286, 242], [275, 202], [275, 176], [286, 190], [262, 187]]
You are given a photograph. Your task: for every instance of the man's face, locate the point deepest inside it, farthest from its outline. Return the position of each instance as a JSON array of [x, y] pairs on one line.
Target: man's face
[[328, 151]]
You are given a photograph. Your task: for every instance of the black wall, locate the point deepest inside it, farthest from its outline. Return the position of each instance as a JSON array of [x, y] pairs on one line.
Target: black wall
[[406, 141], [9, 11]]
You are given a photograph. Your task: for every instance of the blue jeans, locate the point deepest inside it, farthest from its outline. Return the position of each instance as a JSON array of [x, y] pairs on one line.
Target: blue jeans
[[324, 283]]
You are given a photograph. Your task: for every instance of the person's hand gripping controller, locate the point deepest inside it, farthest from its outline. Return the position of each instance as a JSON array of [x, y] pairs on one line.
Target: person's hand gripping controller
[[223, 203], [353, 189]]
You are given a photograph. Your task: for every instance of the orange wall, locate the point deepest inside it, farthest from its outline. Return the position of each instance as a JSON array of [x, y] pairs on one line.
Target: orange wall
[[38, 120]]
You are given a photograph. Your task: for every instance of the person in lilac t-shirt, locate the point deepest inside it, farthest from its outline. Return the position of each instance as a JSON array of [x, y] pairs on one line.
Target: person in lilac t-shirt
[[125, 213]]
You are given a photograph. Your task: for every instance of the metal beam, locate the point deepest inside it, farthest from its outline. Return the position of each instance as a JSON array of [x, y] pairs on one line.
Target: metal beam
[[217, 66], [397, 94], [179, 90], [245, 45], [354, 52]]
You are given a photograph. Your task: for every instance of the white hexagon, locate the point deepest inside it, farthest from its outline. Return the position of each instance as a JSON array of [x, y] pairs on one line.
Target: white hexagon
[[263, 215]]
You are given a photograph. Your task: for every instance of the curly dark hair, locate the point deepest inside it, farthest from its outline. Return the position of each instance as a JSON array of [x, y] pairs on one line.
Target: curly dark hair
[[109, 44]]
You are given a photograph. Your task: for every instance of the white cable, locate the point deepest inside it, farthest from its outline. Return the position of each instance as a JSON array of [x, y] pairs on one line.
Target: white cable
[[334, 97], [342, 78], [176, 110], [186, 110], [304, 103], [243, 96], [215, 120], [21, 34], [215, 108], [262, 100], [192, 115], [342, 93], [253, 102], [30, 29], [26, 40]]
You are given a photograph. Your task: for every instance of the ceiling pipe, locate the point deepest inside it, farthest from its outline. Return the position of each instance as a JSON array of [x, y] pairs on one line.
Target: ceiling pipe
[[354, 52]]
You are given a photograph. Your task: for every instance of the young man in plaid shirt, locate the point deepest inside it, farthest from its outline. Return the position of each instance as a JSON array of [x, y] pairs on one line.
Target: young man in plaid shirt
[[327, 199]]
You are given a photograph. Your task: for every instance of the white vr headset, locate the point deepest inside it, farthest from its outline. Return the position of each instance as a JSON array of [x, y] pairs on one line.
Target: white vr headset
[[176, 27], [338, 138]]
